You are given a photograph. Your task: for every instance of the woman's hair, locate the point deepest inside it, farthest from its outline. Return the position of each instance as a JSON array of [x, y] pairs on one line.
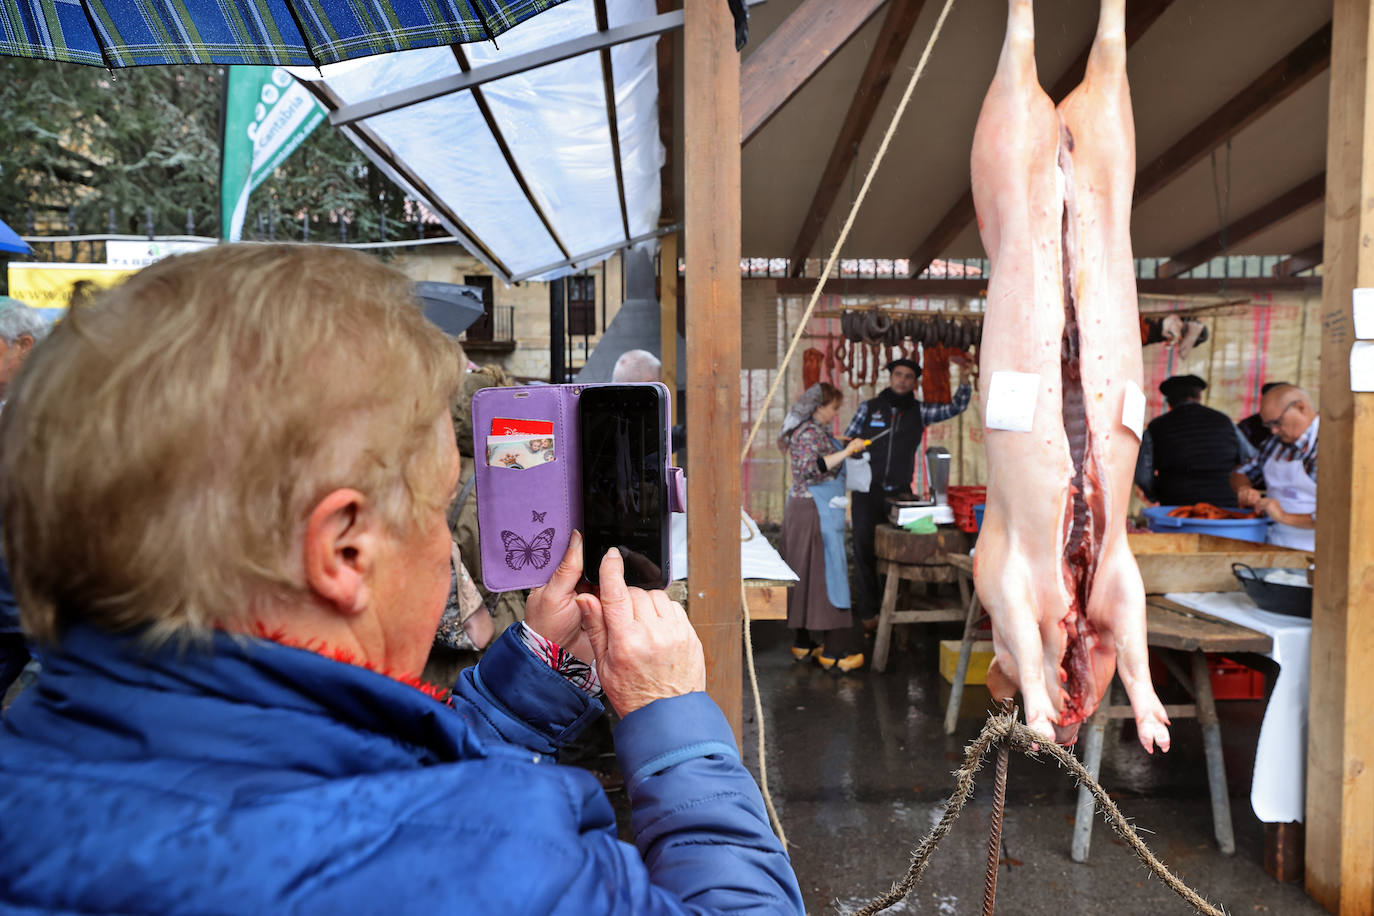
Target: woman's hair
[[161, 452], [821, 394]]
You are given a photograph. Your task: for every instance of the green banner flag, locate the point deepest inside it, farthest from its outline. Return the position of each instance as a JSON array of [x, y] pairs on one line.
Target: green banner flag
[[267, 115]]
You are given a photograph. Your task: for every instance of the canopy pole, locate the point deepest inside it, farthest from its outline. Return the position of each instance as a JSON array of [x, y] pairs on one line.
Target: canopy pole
[[711, 165], [667, 321], [1340, 747]]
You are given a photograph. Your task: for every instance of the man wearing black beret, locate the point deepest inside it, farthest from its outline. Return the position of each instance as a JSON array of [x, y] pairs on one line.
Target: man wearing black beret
[[1187, 455], [896, 413]]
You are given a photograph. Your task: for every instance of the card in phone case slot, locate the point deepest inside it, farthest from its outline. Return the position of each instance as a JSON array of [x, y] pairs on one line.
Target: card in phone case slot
[[520, 452]]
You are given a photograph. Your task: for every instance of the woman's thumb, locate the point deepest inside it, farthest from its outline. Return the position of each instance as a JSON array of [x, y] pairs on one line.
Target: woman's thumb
[[593, 624]]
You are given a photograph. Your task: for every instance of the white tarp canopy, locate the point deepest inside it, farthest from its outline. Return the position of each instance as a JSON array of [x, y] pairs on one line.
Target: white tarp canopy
[[553, 123]]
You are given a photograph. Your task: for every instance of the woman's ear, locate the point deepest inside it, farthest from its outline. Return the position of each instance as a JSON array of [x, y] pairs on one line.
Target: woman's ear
[[338, 551]]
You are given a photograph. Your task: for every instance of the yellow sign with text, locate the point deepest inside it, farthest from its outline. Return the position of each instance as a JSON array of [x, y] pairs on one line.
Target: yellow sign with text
[[50, 286]]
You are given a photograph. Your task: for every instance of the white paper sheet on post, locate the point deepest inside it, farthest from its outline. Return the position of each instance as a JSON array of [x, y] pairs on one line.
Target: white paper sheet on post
[[1011, 400], [1133, 409], [1364, 313], [1362, 366]]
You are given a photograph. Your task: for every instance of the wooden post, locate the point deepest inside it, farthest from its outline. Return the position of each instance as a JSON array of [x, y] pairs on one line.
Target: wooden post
[[667, 314], [711, 166], [1340, 756]]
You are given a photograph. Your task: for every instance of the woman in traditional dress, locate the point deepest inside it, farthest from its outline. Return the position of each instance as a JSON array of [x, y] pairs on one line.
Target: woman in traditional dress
[[813, 527]]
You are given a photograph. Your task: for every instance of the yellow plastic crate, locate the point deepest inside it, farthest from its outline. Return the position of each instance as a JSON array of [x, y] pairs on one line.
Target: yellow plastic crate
[[978, 661]]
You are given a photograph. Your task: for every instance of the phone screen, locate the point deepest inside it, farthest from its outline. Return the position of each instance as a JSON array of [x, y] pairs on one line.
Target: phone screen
[[624, 499]]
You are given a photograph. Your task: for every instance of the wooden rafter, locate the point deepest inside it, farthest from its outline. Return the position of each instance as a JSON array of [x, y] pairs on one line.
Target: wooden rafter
[[1140, 15], [887, 50], [793, 53], [667, 210], [1287, 76], [1285, 205], [1306, 259], [612, 117], [480, 98]]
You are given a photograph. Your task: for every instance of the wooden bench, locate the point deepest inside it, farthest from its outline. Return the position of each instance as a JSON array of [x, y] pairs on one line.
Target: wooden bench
[[767, 597], [1183, 634]]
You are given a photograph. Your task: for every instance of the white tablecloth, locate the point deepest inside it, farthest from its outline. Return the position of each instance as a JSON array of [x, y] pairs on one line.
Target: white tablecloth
[[757, 558], [1280, 782]]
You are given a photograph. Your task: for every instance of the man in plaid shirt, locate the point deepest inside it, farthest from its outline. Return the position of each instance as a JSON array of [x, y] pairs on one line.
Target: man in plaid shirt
[[1285, 468], [896, 412]]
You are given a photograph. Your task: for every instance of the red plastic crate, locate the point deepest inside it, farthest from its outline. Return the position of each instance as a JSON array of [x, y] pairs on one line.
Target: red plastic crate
[[1230, 679], [961, 502], [1233, 681]]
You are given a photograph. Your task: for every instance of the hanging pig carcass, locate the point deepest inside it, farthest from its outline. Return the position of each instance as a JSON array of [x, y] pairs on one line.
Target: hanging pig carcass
[[1060, 361]]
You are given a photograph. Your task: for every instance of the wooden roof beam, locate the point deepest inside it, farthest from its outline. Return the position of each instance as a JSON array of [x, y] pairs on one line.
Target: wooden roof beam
[[793, 53], [667, 208], [1140, 15], [1287, 76], [612, 116], [1306, 259], [887, 50], [1285, 205]]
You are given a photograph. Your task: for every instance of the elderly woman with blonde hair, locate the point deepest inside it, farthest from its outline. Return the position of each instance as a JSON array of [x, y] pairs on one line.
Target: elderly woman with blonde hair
[[224, 488], [813, 527]]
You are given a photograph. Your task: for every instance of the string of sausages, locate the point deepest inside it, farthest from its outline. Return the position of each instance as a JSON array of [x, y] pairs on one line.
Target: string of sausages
[[872, 339]]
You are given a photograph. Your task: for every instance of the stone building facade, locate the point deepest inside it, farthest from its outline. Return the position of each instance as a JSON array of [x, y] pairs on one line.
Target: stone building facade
[[517, 335]]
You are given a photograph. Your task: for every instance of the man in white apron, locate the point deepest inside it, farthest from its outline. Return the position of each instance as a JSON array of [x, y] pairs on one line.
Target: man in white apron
[[1285, 468]]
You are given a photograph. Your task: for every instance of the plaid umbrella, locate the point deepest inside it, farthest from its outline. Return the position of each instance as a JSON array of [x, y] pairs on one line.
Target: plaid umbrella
[[131, 33]]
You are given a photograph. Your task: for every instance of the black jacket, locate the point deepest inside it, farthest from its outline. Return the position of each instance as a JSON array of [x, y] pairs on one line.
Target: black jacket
[[893, 456], [1195, 450]]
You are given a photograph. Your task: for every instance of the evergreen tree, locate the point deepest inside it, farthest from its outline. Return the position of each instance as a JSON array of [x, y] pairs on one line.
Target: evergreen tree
[[78, 142]]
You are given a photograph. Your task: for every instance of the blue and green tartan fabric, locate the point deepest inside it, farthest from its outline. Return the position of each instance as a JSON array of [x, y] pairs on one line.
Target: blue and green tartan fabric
[[131, 33]]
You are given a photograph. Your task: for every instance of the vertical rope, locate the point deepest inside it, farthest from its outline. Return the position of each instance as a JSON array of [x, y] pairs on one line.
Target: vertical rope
[[999, 798], [758, 718]]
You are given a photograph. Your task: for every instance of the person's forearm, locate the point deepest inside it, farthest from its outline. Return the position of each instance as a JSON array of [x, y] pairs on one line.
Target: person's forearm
[[1294, 519], [525, 701], [1239, 481], [834, 459], [697, 816]]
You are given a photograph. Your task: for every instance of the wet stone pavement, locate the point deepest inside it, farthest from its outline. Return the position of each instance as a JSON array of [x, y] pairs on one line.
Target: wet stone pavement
[[859, 768]]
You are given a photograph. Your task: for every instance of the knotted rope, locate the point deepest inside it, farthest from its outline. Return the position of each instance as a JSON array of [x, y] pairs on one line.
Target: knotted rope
[[1004, 728]]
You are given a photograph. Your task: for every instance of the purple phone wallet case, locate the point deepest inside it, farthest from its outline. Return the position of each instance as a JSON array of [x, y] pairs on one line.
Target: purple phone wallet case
[[525, 516]]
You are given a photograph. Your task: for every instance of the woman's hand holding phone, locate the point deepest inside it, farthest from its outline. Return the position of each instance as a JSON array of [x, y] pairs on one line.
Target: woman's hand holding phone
[[552, 610]]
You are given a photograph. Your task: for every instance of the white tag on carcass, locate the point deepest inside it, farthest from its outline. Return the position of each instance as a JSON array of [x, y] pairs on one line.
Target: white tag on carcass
[[1011, 401], [1133, 409]]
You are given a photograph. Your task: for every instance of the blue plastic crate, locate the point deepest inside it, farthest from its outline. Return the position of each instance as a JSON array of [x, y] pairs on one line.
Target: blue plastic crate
[[1241, 529]]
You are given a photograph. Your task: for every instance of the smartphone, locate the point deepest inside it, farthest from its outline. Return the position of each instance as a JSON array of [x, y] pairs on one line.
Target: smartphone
[[624, 442]]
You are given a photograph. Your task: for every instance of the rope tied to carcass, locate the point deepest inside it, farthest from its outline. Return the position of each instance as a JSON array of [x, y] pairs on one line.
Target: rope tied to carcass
[[1003, 730]]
